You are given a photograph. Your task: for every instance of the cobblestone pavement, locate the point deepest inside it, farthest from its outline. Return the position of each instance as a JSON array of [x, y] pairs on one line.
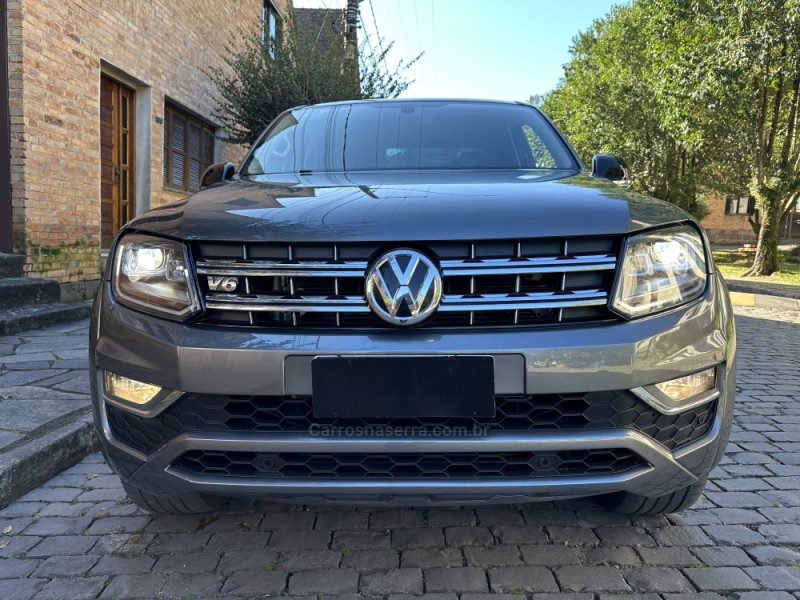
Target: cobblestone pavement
[[43, 382], [78, 537]]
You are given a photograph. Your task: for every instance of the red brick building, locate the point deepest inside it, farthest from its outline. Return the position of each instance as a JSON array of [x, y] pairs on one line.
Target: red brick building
[[110, 113], [727, 220]]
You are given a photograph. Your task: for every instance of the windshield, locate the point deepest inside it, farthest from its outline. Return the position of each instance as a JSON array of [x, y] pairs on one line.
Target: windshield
[[408, 135]]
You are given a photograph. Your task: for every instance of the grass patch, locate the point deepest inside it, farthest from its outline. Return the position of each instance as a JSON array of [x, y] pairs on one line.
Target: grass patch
[[733, 264]]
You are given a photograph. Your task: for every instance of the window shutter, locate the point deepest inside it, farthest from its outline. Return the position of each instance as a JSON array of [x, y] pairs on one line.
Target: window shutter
[[728, 205], [188, 149], [165, 158], [178, 151], [751, 206], [195, 151]]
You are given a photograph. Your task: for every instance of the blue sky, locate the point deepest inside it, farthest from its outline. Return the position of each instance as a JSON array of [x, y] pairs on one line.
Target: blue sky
[[504, 49]]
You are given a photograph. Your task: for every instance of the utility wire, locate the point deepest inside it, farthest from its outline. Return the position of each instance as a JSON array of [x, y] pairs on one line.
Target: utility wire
[[402, 23], [322, 25], [377, 33], [420, 48], [416, 19], [366, 36], [433, 37]]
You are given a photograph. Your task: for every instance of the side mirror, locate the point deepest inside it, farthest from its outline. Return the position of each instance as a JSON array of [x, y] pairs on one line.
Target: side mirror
[[216, 173], [612, 168]]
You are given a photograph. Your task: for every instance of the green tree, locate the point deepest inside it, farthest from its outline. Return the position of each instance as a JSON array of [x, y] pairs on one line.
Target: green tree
[[697, 95], [266, 77], [731, 70], [756, 68], [607, 102]]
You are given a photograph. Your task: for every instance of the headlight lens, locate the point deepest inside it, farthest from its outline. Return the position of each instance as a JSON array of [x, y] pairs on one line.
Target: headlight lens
[[151, 274], [660, 269]]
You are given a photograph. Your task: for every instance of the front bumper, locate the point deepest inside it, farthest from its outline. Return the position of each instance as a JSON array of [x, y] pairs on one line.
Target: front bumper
[[568, 360]]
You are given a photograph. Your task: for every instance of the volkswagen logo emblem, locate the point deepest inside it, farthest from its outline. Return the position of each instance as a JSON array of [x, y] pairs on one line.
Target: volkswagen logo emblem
[[404, 287]]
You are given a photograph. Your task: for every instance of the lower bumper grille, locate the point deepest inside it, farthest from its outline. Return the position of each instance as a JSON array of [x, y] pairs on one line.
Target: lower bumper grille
[[507, 465], [293, 414]]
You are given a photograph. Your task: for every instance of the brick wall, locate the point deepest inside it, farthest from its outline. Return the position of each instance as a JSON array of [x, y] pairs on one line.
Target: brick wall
[[58, 50], [725, 229]]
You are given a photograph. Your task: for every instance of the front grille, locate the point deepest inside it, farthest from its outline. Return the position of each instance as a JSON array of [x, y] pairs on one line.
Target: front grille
[[460, 465], [500, 283], [293, 414]]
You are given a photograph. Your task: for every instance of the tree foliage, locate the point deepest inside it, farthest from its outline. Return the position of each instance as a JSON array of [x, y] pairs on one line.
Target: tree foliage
[[266, 77], [607, 102], [759, 67], [696, 95]]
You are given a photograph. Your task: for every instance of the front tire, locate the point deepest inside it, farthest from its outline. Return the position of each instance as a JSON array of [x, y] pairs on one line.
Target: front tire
[[185, 504], [636, 505]]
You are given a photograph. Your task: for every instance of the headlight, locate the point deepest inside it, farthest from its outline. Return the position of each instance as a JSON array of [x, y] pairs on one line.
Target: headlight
[[150, 274], [660, 269]]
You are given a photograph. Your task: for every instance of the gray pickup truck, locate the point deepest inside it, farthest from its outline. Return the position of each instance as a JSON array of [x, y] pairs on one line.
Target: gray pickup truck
[[413, 302]]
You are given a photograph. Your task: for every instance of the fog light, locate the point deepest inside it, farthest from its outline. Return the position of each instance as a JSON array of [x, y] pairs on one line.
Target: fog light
[[690, 386], [130, 390]]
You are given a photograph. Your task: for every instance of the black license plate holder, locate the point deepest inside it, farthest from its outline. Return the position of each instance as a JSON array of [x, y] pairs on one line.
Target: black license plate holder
[[402, 386]]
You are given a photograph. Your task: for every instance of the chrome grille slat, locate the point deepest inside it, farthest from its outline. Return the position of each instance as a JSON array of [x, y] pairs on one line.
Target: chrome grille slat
[[258, 268], [291, 285], [471, 282], [476, 302], [450, 268], [336, 284], [256, 302], [524, 302], [563, 282], [247, 283], [520, 283], [517, 280], [513, 266]]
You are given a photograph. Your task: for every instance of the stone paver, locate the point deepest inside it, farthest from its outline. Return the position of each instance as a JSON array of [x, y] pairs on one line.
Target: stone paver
[[33, 374], [721, 578], [77, 536], [529, 579], [402, 581], [591, 579], [330, 581]]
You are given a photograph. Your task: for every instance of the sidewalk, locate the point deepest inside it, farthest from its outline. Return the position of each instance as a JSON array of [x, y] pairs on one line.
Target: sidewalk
[[766, 288], [763, 294], [44, 403], [45, 423]]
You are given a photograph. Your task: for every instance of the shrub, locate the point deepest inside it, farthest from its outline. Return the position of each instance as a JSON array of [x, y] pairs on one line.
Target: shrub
[[267, 77]]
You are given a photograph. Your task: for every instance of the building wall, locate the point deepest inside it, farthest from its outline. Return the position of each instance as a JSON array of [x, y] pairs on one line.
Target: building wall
[[58, 50], [5, 140], [726, 229]]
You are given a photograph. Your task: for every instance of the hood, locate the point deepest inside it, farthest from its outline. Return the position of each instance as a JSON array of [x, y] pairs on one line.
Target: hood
[[444, 205]]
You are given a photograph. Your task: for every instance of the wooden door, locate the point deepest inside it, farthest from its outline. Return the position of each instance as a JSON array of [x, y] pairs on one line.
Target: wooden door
[[116, 158]]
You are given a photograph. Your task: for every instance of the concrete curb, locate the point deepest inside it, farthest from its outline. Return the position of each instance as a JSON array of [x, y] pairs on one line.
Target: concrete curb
[[748, 288], [31, 464]]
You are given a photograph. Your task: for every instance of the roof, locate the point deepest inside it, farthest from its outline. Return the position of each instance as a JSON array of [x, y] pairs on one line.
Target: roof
[[390, 100]]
